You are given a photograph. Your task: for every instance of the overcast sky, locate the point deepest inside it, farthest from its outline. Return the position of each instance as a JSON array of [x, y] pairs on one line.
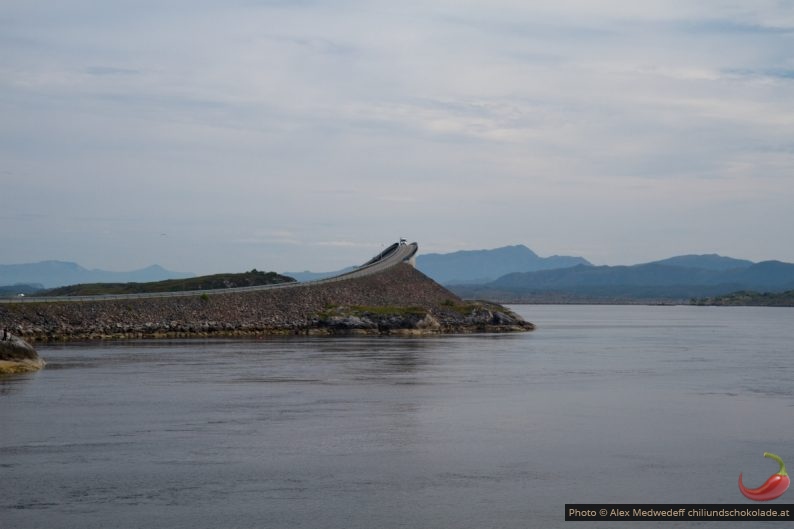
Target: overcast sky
[[291, 135]]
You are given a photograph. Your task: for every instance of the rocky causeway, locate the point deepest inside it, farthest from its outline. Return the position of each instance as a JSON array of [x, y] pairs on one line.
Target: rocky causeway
[[398, 300]]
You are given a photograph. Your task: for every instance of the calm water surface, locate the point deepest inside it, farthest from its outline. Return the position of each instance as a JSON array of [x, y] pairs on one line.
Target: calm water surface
[[599, 404]]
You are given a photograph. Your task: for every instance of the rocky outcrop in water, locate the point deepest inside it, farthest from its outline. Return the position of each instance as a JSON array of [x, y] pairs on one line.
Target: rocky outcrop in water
[[450, 317], [16, 355], [399, 300]]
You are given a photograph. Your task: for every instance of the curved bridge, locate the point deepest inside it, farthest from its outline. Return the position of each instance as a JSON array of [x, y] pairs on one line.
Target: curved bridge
[[395, 254]]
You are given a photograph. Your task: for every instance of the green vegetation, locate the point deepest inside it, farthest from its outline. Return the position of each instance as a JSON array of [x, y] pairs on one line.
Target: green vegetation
[[211, 282], [388, 310], [363, 310], [464, 309], [750, 298]]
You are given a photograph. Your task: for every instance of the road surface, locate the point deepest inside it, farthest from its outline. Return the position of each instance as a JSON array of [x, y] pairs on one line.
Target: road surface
[[393, 255]]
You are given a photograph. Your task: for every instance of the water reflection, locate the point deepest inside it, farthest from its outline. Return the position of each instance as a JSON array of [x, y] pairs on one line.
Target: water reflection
[[12, 383], [6, 387]]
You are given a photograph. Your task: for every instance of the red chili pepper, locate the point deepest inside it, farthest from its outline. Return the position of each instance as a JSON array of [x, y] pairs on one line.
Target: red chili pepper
[[774, 487]]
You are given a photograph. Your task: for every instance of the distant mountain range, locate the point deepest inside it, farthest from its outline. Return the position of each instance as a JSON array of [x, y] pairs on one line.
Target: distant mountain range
[[677, 278], [516, 273], [51, 274], [482, 266]]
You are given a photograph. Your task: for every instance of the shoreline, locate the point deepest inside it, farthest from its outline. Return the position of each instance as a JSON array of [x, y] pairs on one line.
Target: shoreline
[[311, 332]]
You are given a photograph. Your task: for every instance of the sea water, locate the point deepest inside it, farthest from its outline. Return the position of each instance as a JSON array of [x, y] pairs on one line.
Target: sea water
[[600, 404]]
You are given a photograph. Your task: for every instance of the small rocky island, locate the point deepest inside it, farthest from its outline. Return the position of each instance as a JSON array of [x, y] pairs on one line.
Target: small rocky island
[[396, 300], [16, 355]]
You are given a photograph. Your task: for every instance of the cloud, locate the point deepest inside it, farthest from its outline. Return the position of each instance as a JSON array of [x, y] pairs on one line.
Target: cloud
[[346, 244], [784, 74], [110, 70], [286, 128], [732, 27]]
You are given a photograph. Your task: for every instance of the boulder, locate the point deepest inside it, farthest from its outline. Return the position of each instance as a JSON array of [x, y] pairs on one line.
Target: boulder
[[17, 355], [342, 323]]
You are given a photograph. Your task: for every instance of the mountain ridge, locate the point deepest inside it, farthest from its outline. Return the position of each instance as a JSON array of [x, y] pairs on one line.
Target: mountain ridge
[[54, 273], [633, 282], [710, 261], [477, 266]]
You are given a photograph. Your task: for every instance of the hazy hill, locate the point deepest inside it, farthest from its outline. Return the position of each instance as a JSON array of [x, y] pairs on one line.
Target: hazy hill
[[773, 276], [705, 261], [57, 273], [481, 266]]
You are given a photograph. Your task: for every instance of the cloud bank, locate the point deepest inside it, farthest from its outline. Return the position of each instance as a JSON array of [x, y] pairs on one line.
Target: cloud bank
[[292, 135]]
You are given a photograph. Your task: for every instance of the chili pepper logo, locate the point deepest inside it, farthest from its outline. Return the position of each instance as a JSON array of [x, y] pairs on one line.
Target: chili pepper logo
[[774, 487]]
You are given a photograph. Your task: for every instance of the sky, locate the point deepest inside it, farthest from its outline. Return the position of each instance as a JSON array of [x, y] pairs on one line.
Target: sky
[[220, 136]]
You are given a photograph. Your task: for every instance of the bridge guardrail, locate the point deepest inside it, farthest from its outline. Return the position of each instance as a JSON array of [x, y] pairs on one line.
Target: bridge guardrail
[[394, 254]]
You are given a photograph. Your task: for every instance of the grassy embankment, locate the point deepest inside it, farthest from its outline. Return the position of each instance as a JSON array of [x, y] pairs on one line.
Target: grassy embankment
[[210, 282]]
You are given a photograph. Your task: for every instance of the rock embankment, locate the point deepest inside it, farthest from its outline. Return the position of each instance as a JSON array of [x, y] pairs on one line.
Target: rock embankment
[[17, 356], [398, 300]]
